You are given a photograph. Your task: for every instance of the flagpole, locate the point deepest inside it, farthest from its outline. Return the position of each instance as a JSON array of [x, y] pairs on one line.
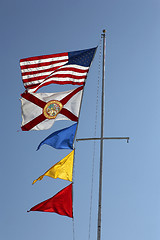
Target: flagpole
[[101, 139]]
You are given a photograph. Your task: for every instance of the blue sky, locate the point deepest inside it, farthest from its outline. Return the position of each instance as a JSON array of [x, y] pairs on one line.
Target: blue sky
[[131, 192]]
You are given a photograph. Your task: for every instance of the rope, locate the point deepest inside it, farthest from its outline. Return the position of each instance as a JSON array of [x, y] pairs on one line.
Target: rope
[[73, 228], [73, 176], [95, 132]]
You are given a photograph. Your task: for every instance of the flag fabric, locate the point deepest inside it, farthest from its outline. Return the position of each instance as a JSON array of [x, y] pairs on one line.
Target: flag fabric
[[62, 68], [63, 169], [60, 203], [62, 139], [40, 110]]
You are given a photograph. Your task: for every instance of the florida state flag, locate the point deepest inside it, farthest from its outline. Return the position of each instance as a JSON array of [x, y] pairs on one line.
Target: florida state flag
[[60, 203], [40, 110]]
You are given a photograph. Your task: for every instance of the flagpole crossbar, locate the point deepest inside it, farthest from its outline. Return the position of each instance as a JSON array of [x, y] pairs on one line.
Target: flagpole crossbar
[[104, 138]]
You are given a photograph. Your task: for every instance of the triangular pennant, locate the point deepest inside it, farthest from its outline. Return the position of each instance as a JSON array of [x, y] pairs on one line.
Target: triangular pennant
[[62, 139], [63, 169], [60, 203]]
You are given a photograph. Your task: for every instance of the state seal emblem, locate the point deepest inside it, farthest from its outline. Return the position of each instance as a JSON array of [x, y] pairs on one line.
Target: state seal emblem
[[52, 108]]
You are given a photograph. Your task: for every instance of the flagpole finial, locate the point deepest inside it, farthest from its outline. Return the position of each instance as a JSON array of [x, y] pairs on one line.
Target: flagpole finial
[[103, 35]]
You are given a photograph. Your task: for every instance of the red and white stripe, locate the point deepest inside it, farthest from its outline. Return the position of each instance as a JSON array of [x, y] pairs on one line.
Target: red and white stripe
[[44, 70]]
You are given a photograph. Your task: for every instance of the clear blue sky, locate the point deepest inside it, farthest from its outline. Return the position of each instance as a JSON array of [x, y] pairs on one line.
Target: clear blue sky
[[131, 176]]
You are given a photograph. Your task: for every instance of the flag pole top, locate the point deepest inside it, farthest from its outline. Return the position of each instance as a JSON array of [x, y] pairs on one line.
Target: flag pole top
[[103, 35]]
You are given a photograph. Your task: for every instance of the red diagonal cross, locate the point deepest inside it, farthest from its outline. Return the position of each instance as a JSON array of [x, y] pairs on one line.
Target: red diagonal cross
[[33, 99], [28, 126], [68, 97]]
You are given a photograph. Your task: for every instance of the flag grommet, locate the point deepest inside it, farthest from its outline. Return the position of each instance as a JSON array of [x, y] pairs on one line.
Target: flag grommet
[[52, 109]]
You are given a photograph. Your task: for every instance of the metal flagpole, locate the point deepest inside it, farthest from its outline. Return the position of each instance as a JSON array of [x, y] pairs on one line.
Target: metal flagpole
[[101, 140]]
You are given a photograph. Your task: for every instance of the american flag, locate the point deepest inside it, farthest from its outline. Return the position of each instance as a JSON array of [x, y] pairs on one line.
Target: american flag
[[61, 68]]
